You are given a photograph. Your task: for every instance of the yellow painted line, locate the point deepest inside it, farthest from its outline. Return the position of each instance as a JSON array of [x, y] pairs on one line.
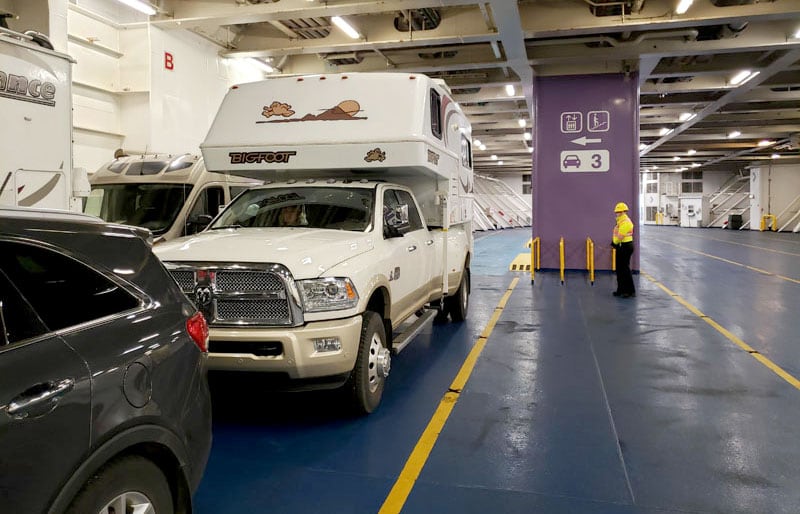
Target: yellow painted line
[[416, 461], [730, 336], [744, 244], [752, 268], [521, 262]]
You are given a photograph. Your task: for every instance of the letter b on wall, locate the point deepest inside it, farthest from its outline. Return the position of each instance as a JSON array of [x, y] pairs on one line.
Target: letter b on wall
[[169, 62]]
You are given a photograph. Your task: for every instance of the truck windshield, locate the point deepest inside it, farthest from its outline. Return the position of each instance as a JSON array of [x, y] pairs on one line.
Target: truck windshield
[[334, 208], [152, 206]]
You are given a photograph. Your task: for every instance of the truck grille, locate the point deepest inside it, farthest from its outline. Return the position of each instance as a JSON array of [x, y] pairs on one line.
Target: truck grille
[[253, 310], [185, 280], [242, 296]]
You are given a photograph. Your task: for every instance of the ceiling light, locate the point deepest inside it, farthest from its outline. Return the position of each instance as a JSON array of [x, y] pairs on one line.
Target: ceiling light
[[765, 142], [686, 116], [261, 64], [530, 149], [476, 142], [527, 136], [695, 165], [493, 157], [743, 76], [482, 147], [521, 122], [143, 7], [654, 168], [642, 146], [499, 163], [510, 89], [663, 132], [346, 28], [734, 134], [676, 158], [776, 156], [691, 151], [797, 34], [683, 6]]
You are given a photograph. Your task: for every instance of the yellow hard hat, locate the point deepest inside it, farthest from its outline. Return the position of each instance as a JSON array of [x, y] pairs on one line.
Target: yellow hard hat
[[621, 207]]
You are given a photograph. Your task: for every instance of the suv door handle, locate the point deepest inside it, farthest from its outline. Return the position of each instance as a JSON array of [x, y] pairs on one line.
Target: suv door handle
[[412, 248], [44, 395]]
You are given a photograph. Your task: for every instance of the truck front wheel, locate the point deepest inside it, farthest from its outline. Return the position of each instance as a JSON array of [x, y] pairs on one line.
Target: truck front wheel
[[458, 304], [372, 365]]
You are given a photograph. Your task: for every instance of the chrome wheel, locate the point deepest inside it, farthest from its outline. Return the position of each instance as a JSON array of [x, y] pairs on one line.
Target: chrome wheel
[[380, 362], [130, 502]]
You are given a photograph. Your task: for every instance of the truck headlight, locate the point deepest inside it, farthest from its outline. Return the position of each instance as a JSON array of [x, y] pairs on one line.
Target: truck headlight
[[327, 294]]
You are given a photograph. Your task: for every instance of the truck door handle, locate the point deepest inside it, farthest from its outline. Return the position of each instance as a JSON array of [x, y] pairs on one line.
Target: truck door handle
[[412, 248], [429, 242], [43, 395]]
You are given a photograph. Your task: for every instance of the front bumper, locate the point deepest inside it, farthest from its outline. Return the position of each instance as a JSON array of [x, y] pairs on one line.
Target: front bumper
[[298, 359]]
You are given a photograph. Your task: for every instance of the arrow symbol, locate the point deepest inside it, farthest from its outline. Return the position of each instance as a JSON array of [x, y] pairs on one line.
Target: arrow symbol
[[583, 140]]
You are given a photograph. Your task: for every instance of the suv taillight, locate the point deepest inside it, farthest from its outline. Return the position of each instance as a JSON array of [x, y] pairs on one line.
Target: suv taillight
[[198, 330]]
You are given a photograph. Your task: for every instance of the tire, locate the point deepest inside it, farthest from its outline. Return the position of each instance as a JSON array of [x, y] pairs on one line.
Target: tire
[[368, 378], [120, 485], [458, 304]]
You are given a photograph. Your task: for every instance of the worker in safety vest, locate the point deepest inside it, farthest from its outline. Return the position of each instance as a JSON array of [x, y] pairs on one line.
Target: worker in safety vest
[[622, 241]]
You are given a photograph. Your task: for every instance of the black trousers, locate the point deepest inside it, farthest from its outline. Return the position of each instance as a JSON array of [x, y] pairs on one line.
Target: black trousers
[[623, 264]]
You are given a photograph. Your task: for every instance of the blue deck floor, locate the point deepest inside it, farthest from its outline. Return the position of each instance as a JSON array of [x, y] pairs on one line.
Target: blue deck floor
[[580, 402]]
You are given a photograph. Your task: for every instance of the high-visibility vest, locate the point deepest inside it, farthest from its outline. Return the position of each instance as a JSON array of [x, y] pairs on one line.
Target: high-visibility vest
[[623, 230]]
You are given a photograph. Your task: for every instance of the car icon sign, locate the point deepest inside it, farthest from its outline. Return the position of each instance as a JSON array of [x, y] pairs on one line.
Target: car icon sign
[[572, 160]]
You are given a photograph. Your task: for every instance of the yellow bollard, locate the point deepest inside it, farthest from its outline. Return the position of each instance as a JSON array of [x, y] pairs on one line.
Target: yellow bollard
[[613, 259], [561, 257], [773, 225]]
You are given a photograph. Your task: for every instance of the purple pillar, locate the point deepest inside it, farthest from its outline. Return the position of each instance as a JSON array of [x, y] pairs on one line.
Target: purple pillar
[[585, 160]]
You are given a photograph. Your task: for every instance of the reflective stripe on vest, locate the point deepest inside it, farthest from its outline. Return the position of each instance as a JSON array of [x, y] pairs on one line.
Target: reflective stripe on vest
[[623, 230]]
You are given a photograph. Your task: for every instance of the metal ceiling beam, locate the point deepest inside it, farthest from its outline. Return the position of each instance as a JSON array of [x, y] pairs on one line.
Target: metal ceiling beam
[[776, 66]]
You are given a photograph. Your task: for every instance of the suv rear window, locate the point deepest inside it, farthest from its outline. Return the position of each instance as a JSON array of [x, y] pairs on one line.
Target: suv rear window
[[63, 291]]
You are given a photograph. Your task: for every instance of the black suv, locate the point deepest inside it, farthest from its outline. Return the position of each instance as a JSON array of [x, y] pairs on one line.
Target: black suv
[[104, 403]]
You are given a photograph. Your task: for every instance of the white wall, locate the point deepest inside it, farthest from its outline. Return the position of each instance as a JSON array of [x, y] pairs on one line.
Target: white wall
[[124, 96], [773, 188], [183, 100]]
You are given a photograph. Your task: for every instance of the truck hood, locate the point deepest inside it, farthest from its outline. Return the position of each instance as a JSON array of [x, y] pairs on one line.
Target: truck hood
[[306, 252]]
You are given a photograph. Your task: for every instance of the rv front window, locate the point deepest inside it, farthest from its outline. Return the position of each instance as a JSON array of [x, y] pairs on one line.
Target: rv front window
[[152, 206]]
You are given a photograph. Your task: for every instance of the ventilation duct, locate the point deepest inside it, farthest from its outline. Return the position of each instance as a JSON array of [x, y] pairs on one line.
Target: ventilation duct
[[729, 3], [417, 19]]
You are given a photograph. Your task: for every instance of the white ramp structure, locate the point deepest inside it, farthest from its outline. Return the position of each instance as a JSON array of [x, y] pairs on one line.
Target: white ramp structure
[[497, 206]]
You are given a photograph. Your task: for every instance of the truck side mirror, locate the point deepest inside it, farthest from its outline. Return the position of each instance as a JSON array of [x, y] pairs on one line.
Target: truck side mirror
[[197, 222], [394, 220]]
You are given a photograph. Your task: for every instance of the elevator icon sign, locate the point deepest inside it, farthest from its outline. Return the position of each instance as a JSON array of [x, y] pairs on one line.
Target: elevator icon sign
[[571, 122]]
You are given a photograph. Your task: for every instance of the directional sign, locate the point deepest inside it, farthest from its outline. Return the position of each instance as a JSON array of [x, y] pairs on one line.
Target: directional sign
[[583, 140], [584, 160]]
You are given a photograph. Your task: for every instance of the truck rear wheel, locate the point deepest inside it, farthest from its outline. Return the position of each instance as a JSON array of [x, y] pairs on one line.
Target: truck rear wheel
[[458, 304], [372, 365]]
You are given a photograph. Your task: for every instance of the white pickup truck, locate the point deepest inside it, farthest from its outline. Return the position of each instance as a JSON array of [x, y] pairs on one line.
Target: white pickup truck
[[362, 229]]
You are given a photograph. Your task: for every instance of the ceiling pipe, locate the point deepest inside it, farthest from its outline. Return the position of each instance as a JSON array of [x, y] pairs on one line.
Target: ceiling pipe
[[688, 33]]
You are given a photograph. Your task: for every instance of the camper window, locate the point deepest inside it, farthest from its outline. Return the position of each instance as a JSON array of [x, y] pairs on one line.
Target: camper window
[[436, 114], [117, 166], [146, 167], [466, 152], [181, 163]]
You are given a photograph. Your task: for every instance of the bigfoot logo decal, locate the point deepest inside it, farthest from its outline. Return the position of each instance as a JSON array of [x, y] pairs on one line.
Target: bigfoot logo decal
[[343, 111]]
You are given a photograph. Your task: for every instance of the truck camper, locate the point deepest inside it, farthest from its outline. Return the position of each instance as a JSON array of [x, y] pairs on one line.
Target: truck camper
[[360, 237], [36, 133], [172, 196]]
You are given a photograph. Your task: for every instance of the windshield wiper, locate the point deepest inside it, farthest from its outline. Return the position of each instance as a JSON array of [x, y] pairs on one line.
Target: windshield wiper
[[220, 227]]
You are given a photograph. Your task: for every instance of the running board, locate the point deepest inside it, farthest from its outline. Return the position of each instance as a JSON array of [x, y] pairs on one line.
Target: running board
[[402, 340]]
